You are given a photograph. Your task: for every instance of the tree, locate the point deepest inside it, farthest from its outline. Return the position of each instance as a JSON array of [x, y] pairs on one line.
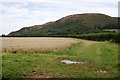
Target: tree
[[3, 35]]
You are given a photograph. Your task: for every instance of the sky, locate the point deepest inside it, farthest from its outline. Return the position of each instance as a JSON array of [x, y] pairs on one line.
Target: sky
[[16, 14]]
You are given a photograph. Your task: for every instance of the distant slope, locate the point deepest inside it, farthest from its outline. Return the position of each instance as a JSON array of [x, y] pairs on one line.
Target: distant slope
[[71, 25]]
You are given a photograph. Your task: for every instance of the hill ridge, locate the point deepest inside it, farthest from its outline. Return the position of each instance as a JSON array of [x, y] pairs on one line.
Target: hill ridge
[[71, 25]]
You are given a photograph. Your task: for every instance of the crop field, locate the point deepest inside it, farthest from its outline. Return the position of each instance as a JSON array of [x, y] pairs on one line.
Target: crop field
[[42, 58], [36, 44]]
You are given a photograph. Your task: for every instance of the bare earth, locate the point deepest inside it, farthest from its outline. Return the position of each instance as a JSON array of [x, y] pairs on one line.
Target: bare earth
[[36, 44]]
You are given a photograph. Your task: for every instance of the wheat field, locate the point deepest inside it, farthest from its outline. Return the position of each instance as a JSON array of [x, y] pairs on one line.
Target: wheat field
[[36, 44]]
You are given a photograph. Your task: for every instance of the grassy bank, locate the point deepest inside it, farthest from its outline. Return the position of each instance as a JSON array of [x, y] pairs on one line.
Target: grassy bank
[[97, 55]]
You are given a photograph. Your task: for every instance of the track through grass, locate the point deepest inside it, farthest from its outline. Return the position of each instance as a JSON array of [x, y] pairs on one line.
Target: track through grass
[[98, 55]]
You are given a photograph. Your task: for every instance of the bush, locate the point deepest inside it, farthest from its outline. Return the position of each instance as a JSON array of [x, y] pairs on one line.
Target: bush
[[114, 37]]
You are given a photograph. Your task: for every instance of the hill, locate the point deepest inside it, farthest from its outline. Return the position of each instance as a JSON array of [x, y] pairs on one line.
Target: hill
[[71, 25]]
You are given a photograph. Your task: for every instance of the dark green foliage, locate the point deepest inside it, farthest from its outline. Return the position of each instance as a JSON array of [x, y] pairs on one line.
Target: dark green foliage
[[3, 35], [97, 27], [71, 25], [114, 37]]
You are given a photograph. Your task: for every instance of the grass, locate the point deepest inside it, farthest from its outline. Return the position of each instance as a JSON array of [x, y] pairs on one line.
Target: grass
[[98, 55]]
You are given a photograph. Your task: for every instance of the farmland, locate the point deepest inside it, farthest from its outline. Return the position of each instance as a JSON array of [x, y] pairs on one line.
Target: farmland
[[36, 44], [41, 58]]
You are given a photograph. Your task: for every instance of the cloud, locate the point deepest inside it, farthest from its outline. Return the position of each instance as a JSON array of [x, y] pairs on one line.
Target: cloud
[[54, 1], [13, 11]]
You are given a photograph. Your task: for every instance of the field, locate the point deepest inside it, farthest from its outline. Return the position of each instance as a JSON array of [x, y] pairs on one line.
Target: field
[[41, 58], [36, 44]]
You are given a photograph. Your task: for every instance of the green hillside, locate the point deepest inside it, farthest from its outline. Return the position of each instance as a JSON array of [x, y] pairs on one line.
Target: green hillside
[[71, 25]]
